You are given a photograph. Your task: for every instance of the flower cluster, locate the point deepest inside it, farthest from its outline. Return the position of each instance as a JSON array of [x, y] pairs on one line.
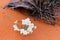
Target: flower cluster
[[27, 27]]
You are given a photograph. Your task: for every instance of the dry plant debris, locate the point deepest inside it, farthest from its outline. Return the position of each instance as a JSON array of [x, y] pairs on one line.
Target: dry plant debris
[[40, 9]]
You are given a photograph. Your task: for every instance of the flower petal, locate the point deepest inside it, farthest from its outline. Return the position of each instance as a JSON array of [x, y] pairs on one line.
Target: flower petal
[[15, 27]]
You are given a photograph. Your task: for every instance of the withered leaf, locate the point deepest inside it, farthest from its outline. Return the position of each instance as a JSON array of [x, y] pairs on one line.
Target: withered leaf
[[41, 9], [23, 3]]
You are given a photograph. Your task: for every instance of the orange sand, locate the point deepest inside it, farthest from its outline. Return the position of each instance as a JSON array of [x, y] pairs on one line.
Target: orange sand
[[7, 18]]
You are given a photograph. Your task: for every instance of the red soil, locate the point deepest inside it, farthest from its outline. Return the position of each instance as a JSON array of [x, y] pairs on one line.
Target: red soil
[[7, 18]]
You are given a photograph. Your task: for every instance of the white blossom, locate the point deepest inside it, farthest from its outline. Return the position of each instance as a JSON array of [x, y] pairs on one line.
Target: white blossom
[[15, 27], [29, 29], [26, 22], [25, 32], [31, 25], [28, 19], [21, 31]]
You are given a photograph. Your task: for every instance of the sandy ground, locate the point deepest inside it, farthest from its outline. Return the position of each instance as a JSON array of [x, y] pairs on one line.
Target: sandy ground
[[7, 18]]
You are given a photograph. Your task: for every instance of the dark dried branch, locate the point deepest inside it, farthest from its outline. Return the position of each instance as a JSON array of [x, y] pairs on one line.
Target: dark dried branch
[[40, 9]]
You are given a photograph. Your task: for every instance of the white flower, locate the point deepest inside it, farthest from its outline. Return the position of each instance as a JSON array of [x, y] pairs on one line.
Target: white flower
[[21, 31], [23, 22], [28, 24], [31, 25], [15, 27], [29, 29], [25, 32], [26, 21]]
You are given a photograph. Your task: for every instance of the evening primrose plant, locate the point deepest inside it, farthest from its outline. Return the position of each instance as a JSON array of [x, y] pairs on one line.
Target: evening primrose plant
[[27, 27]]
